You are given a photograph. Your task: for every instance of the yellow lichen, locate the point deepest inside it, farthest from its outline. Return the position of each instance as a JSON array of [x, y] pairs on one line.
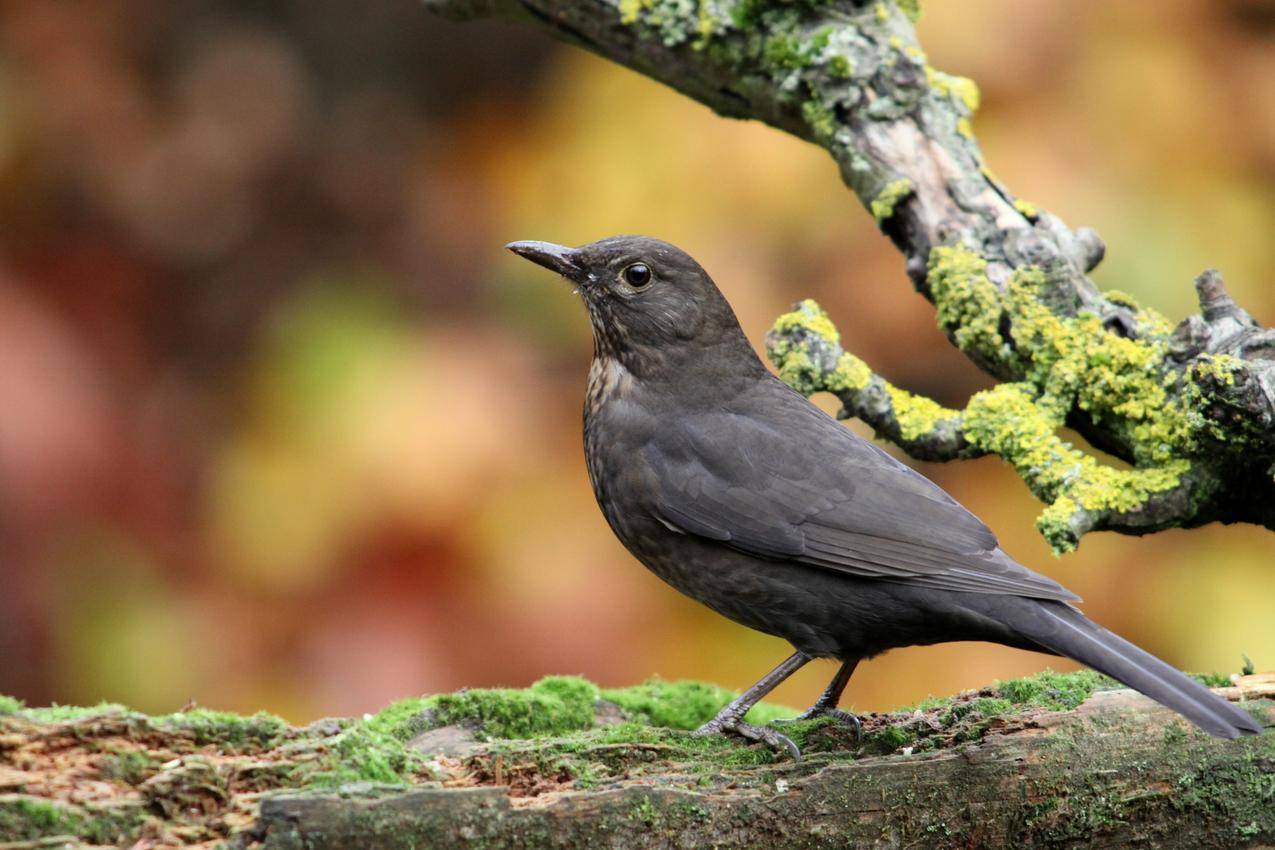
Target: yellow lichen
[[968, 303], [963, 89], [630, 10], [917, 415], [851, 374], [1219, 367], [793, 361], [1027, 208], [706, 24], [1116, 296], [884, 204], [1065, 363], [1007, 420], [808, 315]]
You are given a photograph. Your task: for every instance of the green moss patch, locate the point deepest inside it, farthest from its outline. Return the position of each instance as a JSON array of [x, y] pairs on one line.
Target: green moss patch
[[1053, 691], [184, 775], [226, 729], [683, 705]]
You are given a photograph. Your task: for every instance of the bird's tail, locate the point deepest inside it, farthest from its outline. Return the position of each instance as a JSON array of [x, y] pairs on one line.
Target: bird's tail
[[1062, 629]]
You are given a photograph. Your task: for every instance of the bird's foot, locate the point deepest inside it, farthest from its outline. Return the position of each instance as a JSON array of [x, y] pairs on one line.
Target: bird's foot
[[762, 734], [843, 717]]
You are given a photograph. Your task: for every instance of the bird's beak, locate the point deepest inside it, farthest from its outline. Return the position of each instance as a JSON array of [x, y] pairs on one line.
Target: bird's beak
[[556, 258]]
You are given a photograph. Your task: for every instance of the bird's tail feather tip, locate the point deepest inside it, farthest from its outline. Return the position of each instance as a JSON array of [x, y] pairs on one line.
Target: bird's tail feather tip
[[1068, 632]]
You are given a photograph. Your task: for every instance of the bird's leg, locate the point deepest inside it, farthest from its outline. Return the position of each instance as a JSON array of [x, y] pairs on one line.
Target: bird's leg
[[826, 705], [731, 718]]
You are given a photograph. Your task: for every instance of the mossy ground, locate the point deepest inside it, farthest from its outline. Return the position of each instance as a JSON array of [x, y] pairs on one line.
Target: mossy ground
[[194, 778]]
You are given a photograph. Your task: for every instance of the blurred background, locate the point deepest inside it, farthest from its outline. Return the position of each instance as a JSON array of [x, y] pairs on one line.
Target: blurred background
[[282, 427]]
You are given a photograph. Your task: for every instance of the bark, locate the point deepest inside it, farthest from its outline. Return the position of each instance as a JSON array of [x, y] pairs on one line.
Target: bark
[[1191, 408], [994, 768]]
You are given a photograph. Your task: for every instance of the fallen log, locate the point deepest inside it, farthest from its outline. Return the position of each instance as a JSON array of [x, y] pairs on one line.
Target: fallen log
[[1048, 761]]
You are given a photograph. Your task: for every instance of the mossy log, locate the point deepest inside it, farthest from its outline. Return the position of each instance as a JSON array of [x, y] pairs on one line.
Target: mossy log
[[1051, 760]]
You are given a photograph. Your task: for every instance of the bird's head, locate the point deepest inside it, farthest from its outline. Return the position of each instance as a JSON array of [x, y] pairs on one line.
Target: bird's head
[[649, 301]]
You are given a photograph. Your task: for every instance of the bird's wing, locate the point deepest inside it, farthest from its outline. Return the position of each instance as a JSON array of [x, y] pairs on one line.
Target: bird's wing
[[800, 487]]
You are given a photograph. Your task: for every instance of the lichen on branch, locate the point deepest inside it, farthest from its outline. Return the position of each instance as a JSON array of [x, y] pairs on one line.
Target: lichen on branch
[[1061, 363], [1190, 408]]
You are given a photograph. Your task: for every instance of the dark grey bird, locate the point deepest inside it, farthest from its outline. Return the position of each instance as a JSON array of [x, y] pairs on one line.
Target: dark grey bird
[[743, 495]]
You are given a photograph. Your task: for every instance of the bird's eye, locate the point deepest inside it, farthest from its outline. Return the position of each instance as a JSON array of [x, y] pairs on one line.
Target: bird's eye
[[637, 275]]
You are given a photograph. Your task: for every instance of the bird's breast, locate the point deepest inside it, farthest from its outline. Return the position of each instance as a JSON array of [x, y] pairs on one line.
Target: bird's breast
[[617, 425], [608, 380]]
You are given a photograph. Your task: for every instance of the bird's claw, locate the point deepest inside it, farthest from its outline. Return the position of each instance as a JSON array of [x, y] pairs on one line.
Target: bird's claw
[[762, 734], [837, 714]]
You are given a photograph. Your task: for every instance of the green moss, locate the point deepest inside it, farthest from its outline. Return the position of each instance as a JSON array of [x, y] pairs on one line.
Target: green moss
[[840, 67], [884, 204], [745, 15], [785, 52], [552, 706], [70, 713], [888, 739], [911, 8], [403, 720], [1053, 691], [987, 707], [29, 819], [9, 705], [362, 753], [683, 705], [820, 118], [1212, 680], [227, 729], [1241, 791], [129, 766]]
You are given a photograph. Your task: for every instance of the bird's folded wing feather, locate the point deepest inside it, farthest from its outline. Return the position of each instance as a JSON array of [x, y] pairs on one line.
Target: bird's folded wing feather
[[808, 490]]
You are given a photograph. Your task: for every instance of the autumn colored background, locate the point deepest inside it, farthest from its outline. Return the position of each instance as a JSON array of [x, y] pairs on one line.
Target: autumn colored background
[[282, 427]]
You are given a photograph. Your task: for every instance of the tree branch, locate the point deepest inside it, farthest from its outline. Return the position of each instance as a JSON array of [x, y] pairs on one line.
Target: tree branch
[[1191, 409]]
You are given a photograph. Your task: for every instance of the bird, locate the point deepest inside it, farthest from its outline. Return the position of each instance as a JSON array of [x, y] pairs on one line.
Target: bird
[[742, 494]]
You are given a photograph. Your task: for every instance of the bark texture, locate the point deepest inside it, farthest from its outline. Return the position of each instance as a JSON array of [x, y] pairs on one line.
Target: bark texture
[[1191, 407], [1049, 761]]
